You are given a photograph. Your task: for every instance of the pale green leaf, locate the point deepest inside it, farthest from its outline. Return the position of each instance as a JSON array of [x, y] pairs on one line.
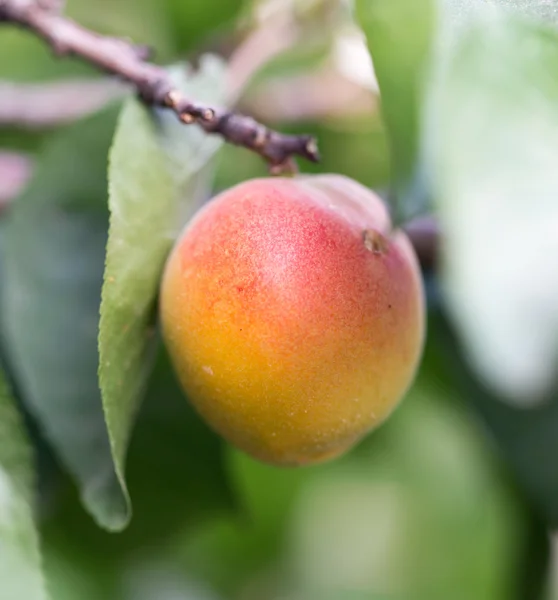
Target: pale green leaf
[[157, 176], [460, 10], [20, 562], [493, 155]]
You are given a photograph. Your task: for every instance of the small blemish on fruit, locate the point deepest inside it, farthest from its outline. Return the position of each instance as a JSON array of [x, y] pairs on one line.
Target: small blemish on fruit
[[374, 241], [208, 370]]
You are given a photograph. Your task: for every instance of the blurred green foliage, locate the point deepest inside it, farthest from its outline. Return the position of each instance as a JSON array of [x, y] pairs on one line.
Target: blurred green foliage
[[419, 510], [400, 36], [201, 21], [448, 500]]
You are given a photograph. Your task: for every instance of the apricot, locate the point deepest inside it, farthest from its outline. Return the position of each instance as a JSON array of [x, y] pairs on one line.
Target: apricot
[[293, 315]]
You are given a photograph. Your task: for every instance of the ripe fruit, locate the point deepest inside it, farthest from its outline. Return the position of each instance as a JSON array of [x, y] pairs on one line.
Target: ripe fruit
[[293, 317]]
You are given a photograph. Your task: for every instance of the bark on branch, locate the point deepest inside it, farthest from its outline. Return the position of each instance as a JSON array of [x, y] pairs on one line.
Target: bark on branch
[[130, 63]]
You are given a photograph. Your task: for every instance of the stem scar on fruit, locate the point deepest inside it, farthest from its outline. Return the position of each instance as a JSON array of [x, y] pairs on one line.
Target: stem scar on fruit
[[374, 241]]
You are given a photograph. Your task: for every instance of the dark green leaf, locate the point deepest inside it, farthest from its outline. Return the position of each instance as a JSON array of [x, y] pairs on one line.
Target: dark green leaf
[[494, 144], [176, 467], [176, 476], [54, 256], [527, 438], [193, 21], [534, 564], [25, 57], [399, 36], [20, 561], [157, 174]]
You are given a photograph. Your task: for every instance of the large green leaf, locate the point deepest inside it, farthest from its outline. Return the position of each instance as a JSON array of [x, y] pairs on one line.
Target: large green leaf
[[461, 10], [157, 174], [493, 150], [20, 561], [526, 438], [141, 197], [54, 255], [400, 36], [405, 39], [176, 476]]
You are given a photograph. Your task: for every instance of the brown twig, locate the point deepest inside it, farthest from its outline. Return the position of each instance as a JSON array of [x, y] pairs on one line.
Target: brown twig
[[153, 84], [15, 171], [322, 94], [45, 105], [426, 237]]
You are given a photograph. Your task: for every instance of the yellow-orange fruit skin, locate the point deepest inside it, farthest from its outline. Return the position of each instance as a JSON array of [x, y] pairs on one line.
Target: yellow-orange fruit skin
[[293, 317]]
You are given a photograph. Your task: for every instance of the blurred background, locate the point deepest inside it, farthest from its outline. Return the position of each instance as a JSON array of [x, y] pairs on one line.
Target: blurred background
[[439, 503]]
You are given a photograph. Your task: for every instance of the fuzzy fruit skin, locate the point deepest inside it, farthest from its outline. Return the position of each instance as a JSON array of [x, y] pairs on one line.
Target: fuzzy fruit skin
[[292, 331]]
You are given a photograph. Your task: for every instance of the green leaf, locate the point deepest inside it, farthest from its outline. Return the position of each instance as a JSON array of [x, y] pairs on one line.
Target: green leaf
[[54, 246], [193, 21], [20, 561], [156, 178], [176, 474], [399, 36], [140, 200], [493, 147]]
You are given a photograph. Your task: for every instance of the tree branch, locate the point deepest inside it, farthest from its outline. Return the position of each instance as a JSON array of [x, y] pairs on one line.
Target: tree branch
[[322, 94], [153, 84], [426, 237], [15, 171], [35, 106]]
